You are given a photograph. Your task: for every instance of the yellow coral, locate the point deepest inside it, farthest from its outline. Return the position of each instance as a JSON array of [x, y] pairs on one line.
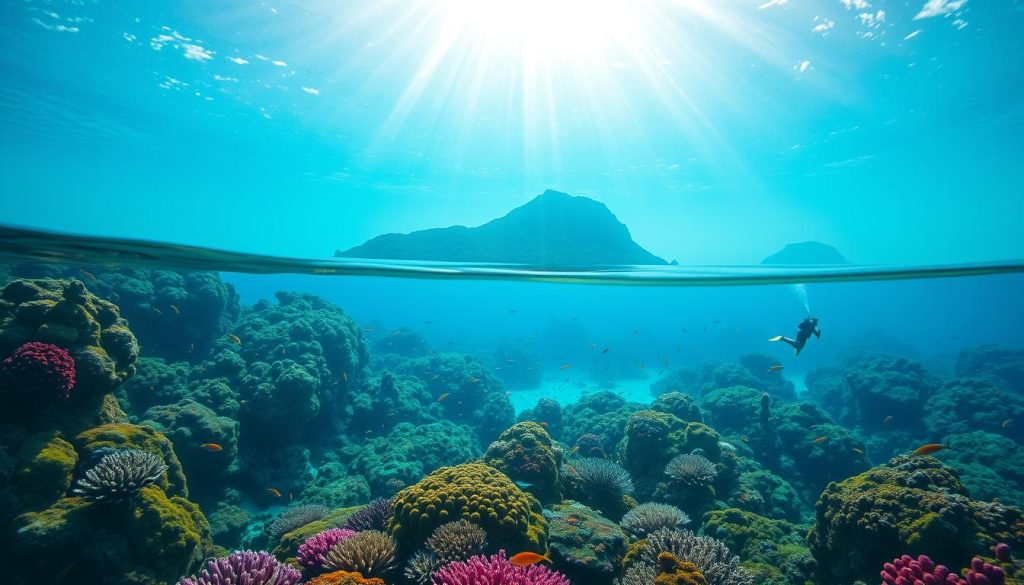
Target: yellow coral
[[344, 578], [672, 571], [474, 492]]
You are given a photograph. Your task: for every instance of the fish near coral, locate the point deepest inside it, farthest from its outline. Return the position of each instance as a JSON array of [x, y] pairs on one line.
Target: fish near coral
[[525, 559], [235, 339], [211, 447], [929, 449]]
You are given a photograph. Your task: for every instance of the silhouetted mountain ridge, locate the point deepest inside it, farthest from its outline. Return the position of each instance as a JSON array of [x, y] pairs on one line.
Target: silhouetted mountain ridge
[[552, 230], [808, 253]]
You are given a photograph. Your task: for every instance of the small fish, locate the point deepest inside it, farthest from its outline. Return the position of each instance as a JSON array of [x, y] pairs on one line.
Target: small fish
[[565, 366], [344, 376], [428, 322], [525, 559], [157, 311], [1007, 423], [523, 484], [274, 492], [820, 440], [87, 274], [606, 350], [643, 366], [369, 329], [543, 424], [887, 420], [513, 311], [857, 451], [635, 331], [175, 308], [929, 449], [212, 447], [443, 397], [235, 339], [574, 450], [745, 439], [592, 346], [474, 380], [775, 368]]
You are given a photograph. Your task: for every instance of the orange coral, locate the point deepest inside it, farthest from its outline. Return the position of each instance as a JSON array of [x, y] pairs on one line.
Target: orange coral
[[672, 571], [344, 578]]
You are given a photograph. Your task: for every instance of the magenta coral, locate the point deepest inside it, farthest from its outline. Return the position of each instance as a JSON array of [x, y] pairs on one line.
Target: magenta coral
[[244, 568], [311, 552], [906, 570], [39, 370], [982, 573], [1002, 552], [496, 570]]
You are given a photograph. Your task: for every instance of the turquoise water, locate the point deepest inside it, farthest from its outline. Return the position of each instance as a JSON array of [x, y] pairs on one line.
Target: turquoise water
[[176, 180]]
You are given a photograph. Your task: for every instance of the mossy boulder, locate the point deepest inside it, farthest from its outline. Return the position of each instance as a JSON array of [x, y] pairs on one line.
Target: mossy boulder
[[93, 443], [526, 453], [585, 546], [288, 546], [774, 550], [45, 470]]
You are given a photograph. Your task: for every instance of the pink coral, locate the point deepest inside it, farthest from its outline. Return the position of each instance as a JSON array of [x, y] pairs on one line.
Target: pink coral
[[982, 573], [906, 570], [311, 552], [39, 370], [496, 570]]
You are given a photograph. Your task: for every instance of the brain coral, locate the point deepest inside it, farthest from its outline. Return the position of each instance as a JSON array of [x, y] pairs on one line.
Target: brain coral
[[64, 314], [474, 492], [527, 454], [910, 505]]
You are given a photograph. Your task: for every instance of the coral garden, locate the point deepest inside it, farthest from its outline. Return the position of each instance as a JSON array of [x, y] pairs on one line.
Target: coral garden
[[157, 432]]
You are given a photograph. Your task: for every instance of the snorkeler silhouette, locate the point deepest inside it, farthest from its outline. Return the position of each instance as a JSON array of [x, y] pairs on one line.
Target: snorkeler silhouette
[[805, 329]]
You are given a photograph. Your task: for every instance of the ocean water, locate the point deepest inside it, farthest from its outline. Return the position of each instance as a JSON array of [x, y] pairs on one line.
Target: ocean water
[[188, 373]]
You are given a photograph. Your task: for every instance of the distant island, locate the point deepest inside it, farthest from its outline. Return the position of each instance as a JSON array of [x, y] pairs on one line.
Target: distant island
[[806, 254], [552, 230]]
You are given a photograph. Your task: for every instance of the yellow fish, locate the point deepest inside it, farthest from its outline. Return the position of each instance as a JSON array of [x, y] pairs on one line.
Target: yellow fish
[[525, 559], [274, 492]]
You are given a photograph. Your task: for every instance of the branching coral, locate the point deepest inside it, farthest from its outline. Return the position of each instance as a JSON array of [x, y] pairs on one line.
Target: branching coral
[[496, 569], [371, 554], [293, 518], [457, 541], [602, 479], [691, 470], [311, 552], [710, 556], [244, 568], [647, 518], [373, 516], [120, 475]]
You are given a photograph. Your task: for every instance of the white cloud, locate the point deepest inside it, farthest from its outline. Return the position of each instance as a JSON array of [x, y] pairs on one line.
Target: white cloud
[[872, 20], [960, 24], [129, 37], [238, 60], [172, 83], [824, 27], [802, 66], [223, 78], [858, 4], [311, 90], [261, 58], [912, 35], [56, 27], [939, 8], [771, 3], [279, 63], [197, 53]]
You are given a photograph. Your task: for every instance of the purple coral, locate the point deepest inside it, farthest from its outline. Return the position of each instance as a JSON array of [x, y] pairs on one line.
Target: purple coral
[[496, 570], [982, 573], [905, 570], [372, 516], [1002, 552], [311, 552], [244, 568], [39, 370]]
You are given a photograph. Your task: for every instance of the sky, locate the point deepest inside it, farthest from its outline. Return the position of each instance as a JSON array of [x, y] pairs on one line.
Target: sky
[[717, 131]]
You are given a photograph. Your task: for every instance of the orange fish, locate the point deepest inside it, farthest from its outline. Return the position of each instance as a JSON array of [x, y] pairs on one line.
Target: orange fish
[[820, 440], [87, 274], [235, 339], [443, 397], [274, 492], [175, 308], [929, 449], [344, 376], [525, 559], [887, 420], [212, 447], [775, 368]]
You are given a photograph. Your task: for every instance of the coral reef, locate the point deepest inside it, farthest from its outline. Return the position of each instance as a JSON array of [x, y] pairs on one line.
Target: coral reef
[[474, 492], [546, 413], [906, 570], [370, 553], [602, 415], [526, 453], [773, 550], [682, 406], [119, 475], [373, 516], [585, 546], [38, 373], [651, 516], [975, 405], [294, 517], [311, 552], [456, 541], [710, 557], [244, 567], [496, 569], [1002, 365], [691, 470], [598, 483]]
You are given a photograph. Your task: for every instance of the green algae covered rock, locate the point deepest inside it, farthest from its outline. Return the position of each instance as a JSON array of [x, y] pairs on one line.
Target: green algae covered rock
[[288, 546], [95, 441], [911, 505], [44, 474], [474, 492], [527, 454], [774, 550], [585, 546]]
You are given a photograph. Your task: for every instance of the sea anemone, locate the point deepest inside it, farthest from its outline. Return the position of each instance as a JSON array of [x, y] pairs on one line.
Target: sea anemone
[[293, 518], [457, 541], [244, 568], [372, 516], [711, 557], [39, 370], [496, 569], [602, 478], [647, 518], [691, 470], [370, 553], [311, 552], [420, 567], [119, 475]]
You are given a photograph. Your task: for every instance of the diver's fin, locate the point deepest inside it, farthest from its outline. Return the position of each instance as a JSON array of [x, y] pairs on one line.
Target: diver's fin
[[798, 352], [777, 338]]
